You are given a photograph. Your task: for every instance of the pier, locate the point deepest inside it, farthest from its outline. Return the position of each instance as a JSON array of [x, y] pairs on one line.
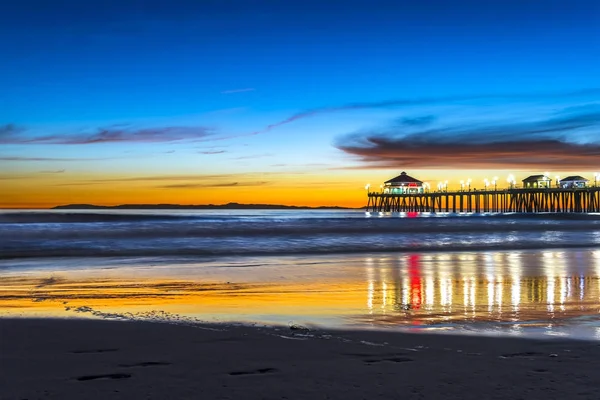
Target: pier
[[529, 200]]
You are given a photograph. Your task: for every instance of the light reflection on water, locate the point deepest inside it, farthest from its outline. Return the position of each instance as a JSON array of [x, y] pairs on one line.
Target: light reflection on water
[[550, 292]]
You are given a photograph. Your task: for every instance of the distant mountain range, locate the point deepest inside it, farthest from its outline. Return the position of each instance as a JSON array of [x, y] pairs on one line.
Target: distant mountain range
[[228, 206]]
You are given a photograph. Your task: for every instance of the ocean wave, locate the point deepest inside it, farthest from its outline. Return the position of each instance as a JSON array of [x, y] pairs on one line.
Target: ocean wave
[[279, 251], [51, 217]]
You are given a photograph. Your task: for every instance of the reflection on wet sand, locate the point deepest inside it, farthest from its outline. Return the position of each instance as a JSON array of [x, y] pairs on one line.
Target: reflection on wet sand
[[516, 289], [427, 289]]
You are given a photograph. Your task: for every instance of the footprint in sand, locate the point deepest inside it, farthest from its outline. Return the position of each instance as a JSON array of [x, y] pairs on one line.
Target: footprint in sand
[[146, 364], [93, 351], [254, 372], [107, 376]]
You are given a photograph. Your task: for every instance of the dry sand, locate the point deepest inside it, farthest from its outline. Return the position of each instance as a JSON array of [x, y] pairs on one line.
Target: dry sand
[[90, 359]]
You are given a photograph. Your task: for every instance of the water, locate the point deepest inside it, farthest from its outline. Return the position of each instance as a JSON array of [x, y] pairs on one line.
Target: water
[[532, 275], [246, 233]]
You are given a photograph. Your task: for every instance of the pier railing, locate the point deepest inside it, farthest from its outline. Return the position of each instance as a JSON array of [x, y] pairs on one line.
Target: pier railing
[[555, 200]]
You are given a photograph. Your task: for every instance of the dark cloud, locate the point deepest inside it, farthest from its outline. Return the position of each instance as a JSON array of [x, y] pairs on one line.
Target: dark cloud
[[117, 133], [213, 185], [568, 141], [395, 103]]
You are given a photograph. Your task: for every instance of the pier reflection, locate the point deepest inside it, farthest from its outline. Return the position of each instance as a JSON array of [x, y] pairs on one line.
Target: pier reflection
[[435, 289]]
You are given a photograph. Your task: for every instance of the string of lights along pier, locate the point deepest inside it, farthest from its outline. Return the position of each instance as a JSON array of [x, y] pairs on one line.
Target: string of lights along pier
[[536, 194]]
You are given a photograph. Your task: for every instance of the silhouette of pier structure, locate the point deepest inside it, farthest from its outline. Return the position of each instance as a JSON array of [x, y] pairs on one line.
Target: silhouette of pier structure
[[407, 194], [549, 200]]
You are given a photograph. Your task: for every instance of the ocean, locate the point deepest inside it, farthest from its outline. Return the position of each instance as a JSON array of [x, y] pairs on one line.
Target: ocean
[[514, 274]]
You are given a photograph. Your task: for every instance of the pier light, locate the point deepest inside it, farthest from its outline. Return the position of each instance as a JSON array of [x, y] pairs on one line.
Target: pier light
[[596, 178], [495, 182], [469, 183], [486, 183], [446, 185], [462, 185], [367, 186], [557, 180]]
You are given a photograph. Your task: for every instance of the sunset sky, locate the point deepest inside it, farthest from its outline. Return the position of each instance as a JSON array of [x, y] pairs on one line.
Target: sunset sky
[[290, 102]]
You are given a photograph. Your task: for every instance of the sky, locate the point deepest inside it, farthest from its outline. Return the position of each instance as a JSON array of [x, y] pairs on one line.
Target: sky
[[290, 102]]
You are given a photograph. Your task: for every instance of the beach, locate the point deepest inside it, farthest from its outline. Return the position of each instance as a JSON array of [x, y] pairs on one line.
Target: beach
[[298, 304], [91, 359]]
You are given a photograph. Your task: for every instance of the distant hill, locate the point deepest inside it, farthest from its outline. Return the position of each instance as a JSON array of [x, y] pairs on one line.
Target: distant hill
[[228, 206]]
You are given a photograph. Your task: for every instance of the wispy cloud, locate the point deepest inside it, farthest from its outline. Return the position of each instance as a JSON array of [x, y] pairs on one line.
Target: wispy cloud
[[202, 178], [568, 140], [58, 171], [237, 90], [213, 185], [10, 134], [396, 103], [212, 152], [17, 158]]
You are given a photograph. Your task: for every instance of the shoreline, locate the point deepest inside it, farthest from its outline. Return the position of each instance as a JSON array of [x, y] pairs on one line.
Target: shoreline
[[99, 359]]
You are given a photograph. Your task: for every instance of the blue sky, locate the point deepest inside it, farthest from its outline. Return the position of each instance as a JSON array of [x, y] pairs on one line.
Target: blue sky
[[232, 68]]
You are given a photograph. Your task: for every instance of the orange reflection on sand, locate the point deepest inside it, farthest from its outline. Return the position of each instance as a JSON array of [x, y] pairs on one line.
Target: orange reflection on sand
[[388, 290]]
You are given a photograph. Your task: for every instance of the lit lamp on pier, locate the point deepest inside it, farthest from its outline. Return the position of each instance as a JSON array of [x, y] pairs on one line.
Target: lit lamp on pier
[[367, 186], [426, 186], [462, 186], [440, 186], [511, 181], [486, 183], [596, 178], [557, 181], [495, 182], [469, 183], [381, 188], [446, 185]]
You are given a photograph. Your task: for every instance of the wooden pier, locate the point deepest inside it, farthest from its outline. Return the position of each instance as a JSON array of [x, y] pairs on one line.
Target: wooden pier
[[586, 200]]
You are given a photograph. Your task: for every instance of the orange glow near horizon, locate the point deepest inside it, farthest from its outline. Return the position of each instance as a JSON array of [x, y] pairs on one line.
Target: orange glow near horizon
[[344, 188]]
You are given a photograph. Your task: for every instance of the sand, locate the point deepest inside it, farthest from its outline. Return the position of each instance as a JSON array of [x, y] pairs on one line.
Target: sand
[[94, 359]]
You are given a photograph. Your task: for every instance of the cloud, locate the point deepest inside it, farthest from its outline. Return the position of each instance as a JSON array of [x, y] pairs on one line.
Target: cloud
[[418, 121], [213, 185], [238, 91], [13, 158], [192, 177], [395, 103], [10, 134], [58, 171], [569, 141], [212, 152]]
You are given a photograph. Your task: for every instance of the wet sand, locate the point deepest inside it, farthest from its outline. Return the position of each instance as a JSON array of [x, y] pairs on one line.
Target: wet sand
[[92, 359]]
